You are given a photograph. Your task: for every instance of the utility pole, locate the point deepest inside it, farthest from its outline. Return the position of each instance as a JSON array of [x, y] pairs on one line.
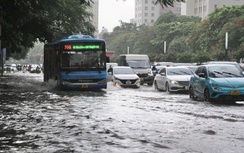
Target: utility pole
[[226, 46], [128, 50], [1, 18], [165, 48]]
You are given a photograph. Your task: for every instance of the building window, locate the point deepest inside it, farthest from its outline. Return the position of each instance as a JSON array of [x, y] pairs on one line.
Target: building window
[[146, 1], [152, 14], [152, 8], [195, 11], [145, 14], [152, 21], [146, 8], [204, 8], [200, 9], [145, 21], [215, 6]]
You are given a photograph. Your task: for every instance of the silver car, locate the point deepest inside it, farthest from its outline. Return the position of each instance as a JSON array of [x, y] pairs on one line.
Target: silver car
[[173, 79], [124, 76]]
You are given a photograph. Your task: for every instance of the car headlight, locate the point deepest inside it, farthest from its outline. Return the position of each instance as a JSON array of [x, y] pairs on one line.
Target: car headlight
[[215, 86], [174, 82], [150, 73]]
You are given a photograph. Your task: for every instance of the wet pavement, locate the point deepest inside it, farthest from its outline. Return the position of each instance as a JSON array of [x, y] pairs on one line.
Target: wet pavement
[[37, 118]]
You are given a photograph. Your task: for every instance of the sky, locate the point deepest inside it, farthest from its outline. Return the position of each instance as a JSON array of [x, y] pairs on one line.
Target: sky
[[112, 11]]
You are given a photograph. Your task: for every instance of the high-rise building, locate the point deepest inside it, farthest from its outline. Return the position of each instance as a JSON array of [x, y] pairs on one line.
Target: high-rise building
[[203, 8], [94, 9], [147, 13]]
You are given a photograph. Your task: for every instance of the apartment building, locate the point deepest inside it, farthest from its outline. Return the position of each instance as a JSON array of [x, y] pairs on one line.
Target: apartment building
[[94, 9], [147, 13], [203, 8]]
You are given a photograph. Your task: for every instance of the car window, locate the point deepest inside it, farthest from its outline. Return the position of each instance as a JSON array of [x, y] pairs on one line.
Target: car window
[[199, 70], [163, 70], [204, 71]]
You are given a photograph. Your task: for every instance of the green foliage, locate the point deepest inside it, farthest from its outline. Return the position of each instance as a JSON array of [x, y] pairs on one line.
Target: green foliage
[[25, 21], [210, 34], [188, 38], [166, 3]]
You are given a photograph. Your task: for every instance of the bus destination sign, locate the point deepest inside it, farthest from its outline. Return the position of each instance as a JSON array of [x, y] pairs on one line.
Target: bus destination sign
[[81, 47]]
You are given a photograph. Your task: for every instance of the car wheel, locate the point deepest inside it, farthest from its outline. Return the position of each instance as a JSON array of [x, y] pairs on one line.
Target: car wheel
[[59, 84], [191, 93], [167, 87], [206, 96], [156, 86]]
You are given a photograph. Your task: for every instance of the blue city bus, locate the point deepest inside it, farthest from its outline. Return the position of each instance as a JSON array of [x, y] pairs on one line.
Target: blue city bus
[[76, 62]]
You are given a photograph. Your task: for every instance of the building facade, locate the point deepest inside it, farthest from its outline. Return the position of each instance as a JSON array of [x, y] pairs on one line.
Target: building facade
[[203, 8], [147, 13], [95, 11]]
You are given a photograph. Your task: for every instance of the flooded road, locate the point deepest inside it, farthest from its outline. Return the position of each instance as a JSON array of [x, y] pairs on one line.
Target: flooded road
[[37, 118]]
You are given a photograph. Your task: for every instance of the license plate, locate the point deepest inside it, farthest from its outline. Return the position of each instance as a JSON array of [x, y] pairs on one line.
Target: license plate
[[235, 92], [84, 86], [128, 82]]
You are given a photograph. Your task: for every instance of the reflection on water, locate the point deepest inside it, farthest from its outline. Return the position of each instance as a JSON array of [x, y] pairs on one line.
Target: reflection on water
[[36, 118]]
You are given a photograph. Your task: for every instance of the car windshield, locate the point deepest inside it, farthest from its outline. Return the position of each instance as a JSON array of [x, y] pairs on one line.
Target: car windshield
[[123, 71], [138, 63], [179, 71], [224, 71]]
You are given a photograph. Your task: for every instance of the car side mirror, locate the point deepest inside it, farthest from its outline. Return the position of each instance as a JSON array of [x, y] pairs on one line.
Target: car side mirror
[[163, 74], [202, 75], [109, 73]]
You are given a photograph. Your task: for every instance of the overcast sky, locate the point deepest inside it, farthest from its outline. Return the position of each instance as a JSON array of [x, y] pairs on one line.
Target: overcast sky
[[112, 11]]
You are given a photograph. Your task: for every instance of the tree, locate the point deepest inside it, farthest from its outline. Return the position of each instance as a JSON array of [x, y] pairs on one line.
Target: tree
[[25, 21], [166, 3], [209, 36]]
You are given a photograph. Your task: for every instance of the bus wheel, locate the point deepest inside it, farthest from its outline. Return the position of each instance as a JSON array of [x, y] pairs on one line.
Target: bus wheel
[[59, 84]]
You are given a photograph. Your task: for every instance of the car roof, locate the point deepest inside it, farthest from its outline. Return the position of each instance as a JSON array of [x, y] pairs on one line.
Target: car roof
[[175, 67], [121, 67], [223, 64]]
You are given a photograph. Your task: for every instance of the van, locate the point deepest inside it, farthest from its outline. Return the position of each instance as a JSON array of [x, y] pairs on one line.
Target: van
[[140, 63]]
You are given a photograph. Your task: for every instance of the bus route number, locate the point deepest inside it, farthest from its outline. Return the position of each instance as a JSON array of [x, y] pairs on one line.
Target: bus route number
[[67, 47]]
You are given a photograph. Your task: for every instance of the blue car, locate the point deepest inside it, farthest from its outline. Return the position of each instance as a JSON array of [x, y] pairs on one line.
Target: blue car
[[217, 82]]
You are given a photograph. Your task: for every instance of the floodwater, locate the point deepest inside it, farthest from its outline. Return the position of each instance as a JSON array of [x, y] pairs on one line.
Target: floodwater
[[35, 118]]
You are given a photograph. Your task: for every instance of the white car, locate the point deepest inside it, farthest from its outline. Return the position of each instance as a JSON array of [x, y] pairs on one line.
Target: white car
[[10, 67], [124, 76], [35, 68], [173, 79]]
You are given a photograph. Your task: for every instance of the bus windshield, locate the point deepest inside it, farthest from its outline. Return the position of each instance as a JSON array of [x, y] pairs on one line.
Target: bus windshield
[[83, 59]]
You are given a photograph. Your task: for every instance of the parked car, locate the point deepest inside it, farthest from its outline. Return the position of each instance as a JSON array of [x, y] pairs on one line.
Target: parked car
[[173, 79], [124, 76], [217, 82]]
